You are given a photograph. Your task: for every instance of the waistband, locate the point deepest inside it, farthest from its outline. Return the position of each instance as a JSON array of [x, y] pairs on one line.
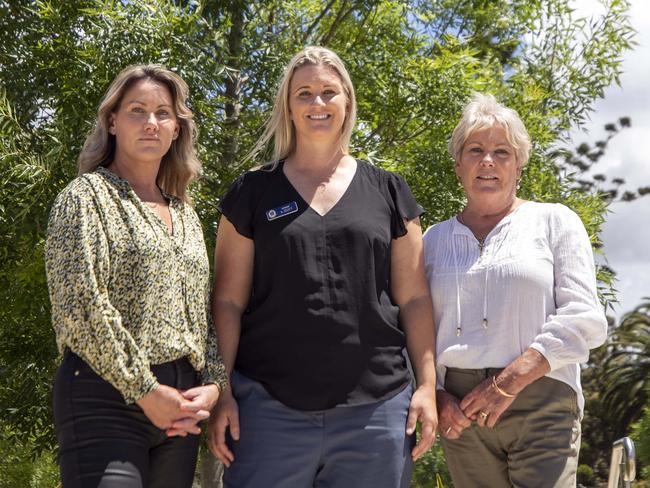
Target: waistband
[[180, 363], [481, 372]]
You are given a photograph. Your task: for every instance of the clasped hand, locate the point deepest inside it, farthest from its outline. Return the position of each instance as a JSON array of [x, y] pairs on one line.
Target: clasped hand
[[178, 412], [484, 405]]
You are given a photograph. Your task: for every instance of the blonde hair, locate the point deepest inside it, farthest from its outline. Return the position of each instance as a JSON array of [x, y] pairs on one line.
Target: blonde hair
[[484, 112], [179, 166], [280, 126]]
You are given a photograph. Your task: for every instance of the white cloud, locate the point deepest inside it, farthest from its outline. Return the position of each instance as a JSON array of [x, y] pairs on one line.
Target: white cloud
[[626, 236]]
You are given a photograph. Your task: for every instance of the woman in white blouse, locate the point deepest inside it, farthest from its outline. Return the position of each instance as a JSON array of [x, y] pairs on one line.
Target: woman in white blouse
[[515, 303]]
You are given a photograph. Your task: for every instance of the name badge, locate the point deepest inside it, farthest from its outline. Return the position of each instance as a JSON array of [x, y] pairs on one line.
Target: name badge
[[281, 211]]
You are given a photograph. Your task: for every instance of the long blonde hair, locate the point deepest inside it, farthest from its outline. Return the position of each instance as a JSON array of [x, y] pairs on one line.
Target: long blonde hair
[[179, 166], [280, 127]]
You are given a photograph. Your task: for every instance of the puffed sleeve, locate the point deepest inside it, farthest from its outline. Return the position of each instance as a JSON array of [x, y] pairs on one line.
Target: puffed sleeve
[[402, 202], [238, 203], [214, 371], [78, 265], [579, 322]]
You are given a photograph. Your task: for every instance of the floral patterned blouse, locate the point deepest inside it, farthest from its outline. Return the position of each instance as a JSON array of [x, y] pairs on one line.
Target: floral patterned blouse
[[125, 293]]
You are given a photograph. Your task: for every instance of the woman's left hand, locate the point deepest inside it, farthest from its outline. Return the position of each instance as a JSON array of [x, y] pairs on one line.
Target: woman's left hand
[[423, 409], [490, 398], [485, 404], [200, 399]]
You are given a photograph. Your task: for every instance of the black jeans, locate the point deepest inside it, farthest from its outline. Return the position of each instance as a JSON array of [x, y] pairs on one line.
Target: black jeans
[[104, 442]]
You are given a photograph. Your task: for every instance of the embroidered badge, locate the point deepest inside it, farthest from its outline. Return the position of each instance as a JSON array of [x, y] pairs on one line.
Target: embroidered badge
[[281, 211]]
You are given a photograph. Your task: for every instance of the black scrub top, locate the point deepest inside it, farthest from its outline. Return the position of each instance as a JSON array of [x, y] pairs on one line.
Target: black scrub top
[[321, 328]]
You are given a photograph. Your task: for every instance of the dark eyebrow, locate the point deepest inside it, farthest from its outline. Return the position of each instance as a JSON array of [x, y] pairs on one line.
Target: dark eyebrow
[[142, 103]]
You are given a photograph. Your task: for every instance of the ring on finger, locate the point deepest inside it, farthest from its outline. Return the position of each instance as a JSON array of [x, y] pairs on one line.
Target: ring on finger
[[483, 415], [448, 430]]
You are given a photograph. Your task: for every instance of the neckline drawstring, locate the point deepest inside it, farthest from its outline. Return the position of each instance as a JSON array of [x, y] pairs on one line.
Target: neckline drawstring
[[484, 322]]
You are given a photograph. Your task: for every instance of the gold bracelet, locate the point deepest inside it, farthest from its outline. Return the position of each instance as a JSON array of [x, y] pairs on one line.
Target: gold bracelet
[[501, 392]]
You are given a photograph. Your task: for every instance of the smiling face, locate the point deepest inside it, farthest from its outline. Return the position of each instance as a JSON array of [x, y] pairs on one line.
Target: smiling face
[[317, 103], [144, 124], [487, 164]]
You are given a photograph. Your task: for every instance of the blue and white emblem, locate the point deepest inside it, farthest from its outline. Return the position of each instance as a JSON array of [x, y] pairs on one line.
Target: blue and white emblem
[[281, 211]]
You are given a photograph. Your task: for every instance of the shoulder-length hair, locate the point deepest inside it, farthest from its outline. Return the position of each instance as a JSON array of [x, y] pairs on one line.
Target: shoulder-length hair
[[179, 166], [484, 112], [280, 127]]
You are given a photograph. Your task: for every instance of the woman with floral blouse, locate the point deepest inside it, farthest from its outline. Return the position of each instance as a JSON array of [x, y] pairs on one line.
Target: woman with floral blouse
[[128, 273]]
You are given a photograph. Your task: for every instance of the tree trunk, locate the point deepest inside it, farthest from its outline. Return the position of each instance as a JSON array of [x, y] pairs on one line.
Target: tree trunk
[[232, 123]]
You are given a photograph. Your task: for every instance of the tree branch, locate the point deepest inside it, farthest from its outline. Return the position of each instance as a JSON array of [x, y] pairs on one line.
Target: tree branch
[[317, 20], [340, 16]]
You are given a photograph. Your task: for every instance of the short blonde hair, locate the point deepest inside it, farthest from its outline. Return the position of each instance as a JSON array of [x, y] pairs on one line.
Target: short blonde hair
[[180, 166], [484, 112], [280, 126]]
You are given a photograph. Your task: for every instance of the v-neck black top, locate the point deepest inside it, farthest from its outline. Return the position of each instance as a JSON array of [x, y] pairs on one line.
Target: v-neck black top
[[321, 328]]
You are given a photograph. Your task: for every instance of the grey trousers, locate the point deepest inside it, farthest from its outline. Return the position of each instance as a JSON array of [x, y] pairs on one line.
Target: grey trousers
[[534, 444], [364, 446]]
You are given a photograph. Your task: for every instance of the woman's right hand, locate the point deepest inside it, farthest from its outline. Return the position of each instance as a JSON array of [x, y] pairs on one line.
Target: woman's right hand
[[224, 415], [162, 406], [451, 419]]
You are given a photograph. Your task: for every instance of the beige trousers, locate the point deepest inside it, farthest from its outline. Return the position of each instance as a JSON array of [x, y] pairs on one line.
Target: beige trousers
[[534, 444]]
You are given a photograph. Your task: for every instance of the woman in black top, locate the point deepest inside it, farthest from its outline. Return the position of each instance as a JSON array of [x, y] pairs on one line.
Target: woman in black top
[[319, 286]]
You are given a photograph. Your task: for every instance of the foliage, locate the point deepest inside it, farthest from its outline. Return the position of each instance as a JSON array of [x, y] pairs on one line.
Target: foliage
[[414, 64], [627, 369], [20, 467], [576, 163], [432, 462], [585, 475], [616, 384], [641, 437], [597, 435]]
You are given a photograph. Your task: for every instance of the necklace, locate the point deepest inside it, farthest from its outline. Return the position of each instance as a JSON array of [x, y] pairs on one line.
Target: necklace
[[481, 240], [481, 244]]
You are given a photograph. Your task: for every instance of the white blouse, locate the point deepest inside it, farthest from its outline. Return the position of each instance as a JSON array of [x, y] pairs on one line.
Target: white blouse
[[534, 282]]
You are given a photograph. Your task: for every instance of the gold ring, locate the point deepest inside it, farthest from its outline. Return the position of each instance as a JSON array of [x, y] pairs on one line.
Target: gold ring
[[483, 415], [448, 430]]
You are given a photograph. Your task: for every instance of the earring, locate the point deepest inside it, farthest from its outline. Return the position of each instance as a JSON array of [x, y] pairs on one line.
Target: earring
[[518, 183]]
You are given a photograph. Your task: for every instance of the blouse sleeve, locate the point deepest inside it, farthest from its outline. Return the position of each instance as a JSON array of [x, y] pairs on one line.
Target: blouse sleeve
[[403, 204], [78, 265], [579, 322], [214, 371], [237, 205]]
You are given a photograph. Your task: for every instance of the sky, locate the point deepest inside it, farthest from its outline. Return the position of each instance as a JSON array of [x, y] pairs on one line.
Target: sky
[[626, 233]]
